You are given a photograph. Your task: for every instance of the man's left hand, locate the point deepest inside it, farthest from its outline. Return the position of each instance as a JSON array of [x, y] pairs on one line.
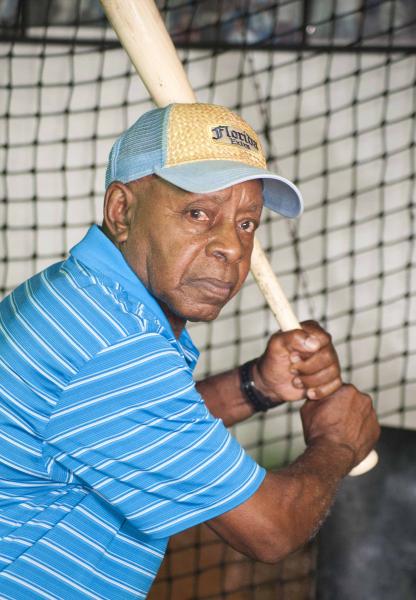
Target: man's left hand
[[298, 364]]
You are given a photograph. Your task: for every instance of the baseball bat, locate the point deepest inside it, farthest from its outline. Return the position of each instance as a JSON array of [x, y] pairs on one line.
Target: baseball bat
[[144, 37]]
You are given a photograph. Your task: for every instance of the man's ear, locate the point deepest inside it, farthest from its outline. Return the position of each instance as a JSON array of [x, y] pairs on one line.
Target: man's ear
[[118, 208]]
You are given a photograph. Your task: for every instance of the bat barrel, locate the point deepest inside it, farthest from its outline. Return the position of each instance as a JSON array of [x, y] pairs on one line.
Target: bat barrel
[[143, 35]]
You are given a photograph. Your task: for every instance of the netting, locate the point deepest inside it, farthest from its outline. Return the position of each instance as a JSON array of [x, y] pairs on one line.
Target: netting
[[330, 86]]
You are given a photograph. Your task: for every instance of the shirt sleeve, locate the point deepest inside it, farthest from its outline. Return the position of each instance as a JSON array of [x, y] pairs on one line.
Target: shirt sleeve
[[132, 428]]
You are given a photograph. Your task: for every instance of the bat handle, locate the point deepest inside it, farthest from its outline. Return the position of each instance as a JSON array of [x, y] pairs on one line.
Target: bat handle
[[270, 287], [280, 307]]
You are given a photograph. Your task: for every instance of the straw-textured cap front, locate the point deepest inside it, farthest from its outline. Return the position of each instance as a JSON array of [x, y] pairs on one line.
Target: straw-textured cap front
[[208, 132], [200, 148]]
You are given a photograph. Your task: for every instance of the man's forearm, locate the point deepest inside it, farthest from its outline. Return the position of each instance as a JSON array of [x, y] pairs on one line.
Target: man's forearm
[[224, 398], [307, 490], [289, 507]]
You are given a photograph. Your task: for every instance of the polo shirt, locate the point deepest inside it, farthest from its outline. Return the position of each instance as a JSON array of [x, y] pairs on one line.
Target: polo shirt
[[106, 447]]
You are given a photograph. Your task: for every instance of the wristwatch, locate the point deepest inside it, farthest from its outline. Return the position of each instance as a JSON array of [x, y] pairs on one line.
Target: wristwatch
[[258, 401]]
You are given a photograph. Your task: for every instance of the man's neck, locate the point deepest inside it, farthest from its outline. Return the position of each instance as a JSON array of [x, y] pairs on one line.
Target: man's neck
[[177, 323]]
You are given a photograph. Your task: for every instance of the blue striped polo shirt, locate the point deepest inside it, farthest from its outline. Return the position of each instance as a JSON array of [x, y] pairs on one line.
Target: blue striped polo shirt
[[106, 447]]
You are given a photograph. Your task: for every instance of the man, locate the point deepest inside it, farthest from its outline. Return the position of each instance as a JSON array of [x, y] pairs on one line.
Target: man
[[107, 445]]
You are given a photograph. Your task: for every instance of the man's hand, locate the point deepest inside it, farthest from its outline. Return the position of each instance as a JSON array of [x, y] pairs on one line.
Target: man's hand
[[346, 419], [298, 364]]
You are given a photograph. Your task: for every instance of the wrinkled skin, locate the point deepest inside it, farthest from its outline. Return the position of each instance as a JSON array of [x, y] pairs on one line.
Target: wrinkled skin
[[192, 251]]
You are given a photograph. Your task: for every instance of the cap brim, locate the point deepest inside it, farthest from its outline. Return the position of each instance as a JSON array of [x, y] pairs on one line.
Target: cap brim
[[203, 177]]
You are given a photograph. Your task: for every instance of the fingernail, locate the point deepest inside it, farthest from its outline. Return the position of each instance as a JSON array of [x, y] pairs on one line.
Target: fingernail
[[297, 382], [311, 343], [311, 394], [294, 358]]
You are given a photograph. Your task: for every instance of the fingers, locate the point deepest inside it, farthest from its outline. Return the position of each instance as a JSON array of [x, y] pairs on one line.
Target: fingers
[[317, 362], [309, 339], [298, 364], [346, 417], [302, 342], [318, 392], [313, 391], [319, 372]]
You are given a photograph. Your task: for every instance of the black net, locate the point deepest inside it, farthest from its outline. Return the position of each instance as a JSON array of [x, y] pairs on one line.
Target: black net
[[330, 86]]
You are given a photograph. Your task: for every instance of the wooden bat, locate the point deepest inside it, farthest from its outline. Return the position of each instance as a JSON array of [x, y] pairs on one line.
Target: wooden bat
[[143, 35]]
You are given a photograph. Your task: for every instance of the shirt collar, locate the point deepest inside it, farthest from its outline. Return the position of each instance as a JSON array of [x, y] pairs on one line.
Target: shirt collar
[[98, 252]]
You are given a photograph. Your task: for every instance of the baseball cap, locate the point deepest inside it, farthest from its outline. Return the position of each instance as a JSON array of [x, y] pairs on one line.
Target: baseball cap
[[199, 148]]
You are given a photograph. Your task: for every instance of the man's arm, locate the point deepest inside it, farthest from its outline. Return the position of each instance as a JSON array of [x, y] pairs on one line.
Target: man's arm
[[224, 398], [295, 365], [290, 505]]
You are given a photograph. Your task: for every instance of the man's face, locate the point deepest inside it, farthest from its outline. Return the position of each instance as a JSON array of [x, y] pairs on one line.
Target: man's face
[[192, 251]]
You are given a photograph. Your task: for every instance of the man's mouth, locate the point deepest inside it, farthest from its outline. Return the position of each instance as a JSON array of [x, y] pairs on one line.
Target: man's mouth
[[213, 287]]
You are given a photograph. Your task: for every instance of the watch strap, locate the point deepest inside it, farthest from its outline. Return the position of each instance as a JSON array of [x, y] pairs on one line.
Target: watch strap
[[258, 401]]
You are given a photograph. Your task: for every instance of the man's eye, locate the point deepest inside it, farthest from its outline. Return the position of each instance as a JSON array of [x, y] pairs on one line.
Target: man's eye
[[248, 226], [198, 214]]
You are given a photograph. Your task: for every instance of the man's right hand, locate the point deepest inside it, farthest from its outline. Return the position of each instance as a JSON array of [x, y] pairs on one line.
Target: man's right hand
[[346, 418]]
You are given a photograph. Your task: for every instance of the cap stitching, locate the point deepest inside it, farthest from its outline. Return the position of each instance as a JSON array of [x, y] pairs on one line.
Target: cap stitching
[[165, 133]]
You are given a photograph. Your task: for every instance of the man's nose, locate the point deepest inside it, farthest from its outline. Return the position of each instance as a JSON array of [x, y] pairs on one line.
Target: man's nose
[[225, 243]]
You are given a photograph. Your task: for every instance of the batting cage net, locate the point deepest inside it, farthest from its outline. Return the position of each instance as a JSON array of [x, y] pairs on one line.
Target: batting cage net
[[330, 87]]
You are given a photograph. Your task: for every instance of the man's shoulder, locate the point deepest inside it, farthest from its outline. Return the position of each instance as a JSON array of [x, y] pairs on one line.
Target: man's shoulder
[[95, 299], [73, 318], [75, 310]]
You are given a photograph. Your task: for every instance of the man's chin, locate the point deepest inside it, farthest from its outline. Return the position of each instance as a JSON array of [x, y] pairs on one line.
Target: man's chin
[[204, 313], [203, 318], [195, 312]]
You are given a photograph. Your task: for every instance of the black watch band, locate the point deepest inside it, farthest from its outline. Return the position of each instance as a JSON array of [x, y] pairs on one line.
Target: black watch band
[[253, 396]]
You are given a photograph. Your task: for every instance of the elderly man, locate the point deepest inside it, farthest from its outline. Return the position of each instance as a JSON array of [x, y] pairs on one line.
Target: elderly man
[[108, 446]]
